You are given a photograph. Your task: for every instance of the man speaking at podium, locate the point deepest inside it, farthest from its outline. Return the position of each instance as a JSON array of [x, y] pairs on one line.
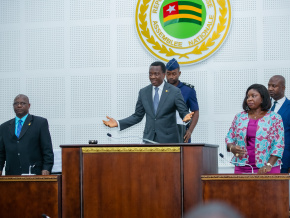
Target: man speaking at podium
[[25, 142], [159, 101]]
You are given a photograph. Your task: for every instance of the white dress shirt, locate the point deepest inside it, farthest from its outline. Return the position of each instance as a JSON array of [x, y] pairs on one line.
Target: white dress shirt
[[279, 104]]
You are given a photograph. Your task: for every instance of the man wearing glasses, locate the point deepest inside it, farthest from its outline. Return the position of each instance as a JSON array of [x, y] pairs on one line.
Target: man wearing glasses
[[25, 142]]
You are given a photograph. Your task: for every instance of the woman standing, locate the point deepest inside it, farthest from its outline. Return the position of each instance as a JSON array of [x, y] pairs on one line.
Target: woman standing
[[256, 136]]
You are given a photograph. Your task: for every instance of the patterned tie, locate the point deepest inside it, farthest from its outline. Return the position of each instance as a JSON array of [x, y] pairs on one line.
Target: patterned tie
[[156, 99], [273, 108], [19, 127]]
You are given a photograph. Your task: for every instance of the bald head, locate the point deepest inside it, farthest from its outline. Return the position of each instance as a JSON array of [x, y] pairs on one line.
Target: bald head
[[279, 78], [22, 96], [276, 87]]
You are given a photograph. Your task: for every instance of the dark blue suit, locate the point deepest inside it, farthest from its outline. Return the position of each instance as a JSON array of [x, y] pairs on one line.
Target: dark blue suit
[[284, 111]]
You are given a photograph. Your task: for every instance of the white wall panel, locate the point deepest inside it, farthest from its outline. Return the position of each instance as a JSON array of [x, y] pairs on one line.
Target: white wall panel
[[9, 11], [241, 44], [129, 49], [90, 46], [89, 9], [9, 51], [43, 10], [244, 5], [44, 48], [230, 89], [276, 38], [277, 4]]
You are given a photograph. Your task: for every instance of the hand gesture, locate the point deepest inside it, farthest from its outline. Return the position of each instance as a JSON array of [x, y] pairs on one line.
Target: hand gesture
[[188, 117], [111, 122]]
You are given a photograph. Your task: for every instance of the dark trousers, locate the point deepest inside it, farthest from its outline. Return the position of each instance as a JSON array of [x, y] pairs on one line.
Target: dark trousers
[[181, 131]]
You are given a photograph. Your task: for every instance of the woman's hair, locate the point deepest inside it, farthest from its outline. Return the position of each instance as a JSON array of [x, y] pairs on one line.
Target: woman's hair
[[266, 101]]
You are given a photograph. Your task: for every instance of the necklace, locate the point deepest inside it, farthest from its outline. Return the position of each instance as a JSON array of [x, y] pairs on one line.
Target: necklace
[[255, 116]]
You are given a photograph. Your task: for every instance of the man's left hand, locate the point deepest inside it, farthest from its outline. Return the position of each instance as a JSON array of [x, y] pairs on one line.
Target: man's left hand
[[188, 117], [187, 136], [44, 172]]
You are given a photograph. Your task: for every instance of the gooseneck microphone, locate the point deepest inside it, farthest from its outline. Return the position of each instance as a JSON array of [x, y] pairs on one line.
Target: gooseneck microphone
[[222, 156], [124, 137]]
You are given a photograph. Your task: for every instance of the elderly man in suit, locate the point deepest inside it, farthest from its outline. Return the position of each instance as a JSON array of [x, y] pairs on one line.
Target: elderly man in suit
[[25, 142], [281, 105], [159, 101]]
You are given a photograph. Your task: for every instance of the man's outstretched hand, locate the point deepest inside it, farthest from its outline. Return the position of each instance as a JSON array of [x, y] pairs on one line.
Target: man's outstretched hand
[[111, 122], [188, 117]]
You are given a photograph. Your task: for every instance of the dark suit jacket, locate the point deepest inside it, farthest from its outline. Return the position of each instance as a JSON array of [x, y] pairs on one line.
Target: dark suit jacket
[[33, 147], [284, 111], [163, 124]]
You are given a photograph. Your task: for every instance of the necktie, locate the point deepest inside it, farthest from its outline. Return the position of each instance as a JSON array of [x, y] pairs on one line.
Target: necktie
[[156, 99], [19, 127], [273, 108]]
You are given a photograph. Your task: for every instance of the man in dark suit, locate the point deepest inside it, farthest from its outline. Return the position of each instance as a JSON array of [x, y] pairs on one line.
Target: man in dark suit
[[281, 105], [159, 101], [25, 142]]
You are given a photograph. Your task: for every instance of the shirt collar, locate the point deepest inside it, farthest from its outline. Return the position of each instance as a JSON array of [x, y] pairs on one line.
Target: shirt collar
[[161, 86], [23, 119], [280, 101]]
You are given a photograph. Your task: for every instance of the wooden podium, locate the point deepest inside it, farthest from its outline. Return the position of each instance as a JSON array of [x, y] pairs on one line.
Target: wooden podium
[[253, 195], [140, 180], [30, 196]]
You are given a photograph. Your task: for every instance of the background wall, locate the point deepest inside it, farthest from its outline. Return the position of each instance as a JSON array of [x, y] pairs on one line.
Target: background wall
[[80, 60]]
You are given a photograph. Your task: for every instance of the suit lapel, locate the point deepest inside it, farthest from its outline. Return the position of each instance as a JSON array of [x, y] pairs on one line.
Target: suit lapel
[[12, 127], [164, 95], [26, 125], [149, 98], [284, 107]]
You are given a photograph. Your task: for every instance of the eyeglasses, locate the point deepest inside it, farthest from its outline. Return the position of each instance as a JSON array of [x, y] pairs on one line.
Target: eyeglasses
[[21, 103]]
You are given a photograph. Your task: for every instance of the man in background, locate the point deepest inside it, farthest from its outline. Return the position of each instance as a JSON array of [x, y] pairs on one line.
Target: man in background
[[281, 105], [159, 101], [189, 95], [25, 142]]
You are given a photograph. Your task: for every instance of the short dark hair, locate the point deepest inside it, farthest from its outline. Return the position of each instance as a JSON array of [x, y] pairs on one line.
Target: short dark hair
[[161, 64], [266, 101]]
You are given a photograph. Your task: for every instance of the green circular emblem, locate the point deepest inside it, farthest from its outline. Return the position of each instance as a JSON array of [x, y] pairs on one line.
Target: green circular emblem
[[182, 19], [187, 30]]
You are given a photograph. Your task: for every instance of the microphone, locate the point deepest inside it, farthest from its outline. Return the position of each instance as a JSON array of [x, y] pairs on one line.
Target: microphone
[[123, 137], [29, 171], [45, 216], [222, 156]]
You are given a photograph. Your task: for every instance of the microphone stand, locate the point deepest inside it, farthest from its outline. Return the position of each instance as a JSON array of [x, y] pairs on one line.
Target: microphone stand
[[142, 139], [222, 156]]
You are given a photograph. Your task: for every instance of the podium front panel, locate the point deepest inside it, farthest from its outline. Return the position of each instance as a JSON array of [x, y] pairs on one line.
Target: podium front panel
[[30, 196], [254, 195], [132, 182], [122, 180]]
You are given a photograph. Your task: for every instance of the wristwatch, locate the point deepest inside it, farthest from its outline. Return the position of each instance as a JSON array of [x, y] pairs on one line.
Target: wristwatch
[[268, 164]]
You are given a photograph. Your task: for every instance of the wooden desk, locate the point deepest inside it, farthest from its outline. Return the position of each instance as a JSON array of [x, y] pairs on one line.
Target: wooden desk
[[254, 195], [30, 196], [134, 180]]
